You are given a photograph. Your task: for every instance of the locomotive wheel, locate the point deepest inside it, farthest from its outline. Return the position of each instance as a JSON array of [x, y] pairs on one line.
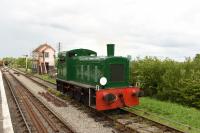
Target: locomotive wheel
[[70, 92], [58, 86], [61, 87], [85, 98], [77, 95], [82, 96]]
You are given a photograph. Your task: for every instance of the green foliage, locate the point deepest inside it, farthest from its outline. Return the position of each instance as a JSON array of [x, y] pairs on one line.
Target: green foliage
[[9, 60], [46, 77], [169, 80], [57, 93], [18, 62]]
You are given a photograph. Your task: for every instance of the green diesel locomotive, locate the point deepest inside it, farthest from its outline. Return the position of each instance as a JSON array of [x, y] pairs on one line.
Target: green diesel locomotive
[[100, 82]]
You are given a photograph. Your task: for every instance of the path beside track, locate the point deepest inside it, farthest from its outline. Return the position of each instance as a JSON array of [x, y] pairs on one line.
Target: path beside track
[[5, 119]]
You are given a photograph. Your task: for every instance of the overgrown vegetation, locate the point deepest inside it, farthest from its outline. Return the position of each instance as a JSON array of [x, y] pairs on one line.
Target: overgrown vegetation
[[46, 77], [57, 93], [169, 80]]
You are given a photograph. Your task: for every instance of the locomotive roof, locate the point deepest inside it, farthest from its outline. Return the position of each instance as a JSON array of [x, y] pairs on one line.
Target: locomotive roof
[[81, 49], [86, 54], [82, 52], [97, 58]]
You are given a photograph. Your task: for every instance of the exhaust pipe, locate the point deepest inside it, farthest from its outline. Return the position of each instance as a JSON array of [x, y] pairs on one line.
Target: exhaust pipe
[[110, 49]]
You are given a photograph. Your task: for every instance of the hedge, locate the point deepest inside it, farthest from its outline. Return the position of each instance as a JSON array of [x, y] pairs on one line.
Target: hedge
[[168, 79]]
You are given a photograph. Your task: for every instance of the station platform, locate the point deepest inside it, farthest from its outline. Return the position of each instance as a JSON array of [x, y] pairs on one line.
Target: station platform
[[5, 119]]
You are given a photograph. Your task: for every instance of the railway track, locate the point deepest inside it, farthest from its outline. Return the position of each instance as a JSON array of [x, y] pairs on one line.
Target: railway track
[[124, 120], [36, 116], [137, 123], [21, 119]]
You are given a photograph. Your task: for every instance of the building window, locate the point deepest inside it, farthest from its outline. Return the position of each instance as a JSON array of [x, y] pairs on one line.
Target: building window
[[35, 66], [46, 55]]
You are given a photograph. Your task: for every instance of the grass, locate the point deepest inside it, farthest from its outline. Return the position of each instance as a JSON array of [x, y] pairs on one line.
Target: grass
[[24, 70], [174, 114], [43, 76], [57, 93], [46, 77]]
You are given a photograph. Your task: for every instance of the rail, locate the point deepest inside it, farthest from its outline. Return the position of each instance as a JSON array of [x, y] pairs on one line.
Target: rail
[[30, 101]]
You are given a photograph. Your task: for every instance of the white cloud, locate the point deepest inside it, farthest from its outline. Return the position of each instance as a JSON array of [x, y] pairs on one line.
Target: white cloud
[[138, 27]]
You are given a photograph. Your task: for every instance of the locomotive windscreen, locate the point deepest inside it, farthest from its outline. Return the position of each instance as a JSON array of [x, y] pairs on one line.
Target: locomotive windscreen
[[117, 72]]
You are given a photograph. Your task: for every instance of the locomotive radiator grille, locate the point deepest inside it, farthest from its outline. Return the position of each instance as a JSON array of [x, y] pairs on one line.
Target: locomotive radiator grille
[[117, 72]]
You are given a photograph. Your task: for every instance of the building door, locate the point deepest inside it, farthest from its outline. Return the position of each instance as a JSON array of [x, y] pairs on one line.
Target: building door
[[47, 66], [39, 70]]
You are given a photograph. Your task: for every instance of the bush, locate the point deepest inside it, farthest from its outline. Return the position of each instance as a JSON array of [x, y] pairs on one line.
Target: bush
[[169, 80]]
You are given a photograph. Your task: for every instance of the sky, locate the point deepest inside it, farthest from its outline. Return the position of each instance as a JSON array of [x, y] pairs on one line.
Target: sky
[[161, 28]]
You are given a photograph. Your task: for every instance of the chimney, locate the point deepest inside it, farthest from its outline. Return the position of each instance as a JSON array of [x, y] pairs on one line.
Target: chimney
[[110, 49]]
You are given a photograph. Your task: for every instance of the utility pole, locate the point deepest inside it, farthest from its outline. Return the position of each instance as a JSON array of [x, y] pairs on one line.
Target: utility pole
[[129, 57], [59, 47], [26, 62]]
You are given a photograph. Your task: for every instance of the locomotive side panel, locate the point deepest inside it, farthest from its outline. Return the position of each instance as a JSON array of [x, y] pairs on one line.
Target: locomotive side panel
[[62, 67], [88, 72]]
